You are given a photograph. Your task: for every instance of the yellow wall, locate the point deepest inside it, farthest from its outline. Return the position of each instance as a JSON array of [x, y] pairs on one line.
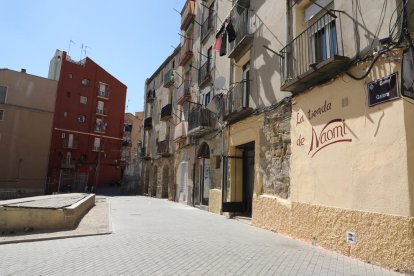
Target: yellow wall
[[368, 173]]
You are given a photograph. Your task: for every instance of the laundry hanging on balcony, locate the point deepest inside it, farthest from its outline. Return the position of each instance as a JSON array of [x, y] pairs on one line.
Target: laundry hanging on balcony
[[231, 33], [223, 48], [217, 43]]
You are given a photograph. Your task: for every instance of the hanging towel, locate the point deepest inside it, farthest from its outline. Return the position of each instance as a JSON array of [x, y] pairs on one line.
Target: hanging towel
[[217, 44], [223, 48], [231, 32]]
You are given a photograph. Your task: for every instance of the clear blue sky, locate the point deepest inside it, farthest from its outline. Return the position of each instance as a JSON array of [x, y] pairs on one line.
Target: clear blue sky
[[128, 38]]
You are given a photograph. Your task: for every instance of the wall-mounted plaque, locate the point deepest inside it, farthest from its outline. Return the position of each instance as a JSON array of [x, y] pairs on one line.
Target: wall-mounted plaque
[[383, 90]]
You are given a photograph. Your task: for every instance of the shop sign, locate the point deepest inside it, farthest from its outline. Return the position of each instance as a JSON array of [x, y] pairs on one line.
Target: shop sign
[[383, 90]]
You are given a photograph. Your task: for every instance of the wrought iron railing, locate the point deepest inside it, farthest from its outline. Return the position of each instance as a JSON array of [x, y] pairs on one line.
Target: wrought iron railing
[[319, 42], [206, 27], [187, 13], [166, 112], [148, 123], [150, 96], [101, 111], [183, 92], [238, 97], [204, 73], [169, 78], [243, 27], [186, 50], [163, 147], [103, 94], [200, 117]]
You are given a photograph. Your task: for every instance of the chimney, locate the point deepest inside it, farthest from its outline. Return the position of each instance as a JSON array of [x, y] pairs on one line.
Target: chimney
[[23, 70]]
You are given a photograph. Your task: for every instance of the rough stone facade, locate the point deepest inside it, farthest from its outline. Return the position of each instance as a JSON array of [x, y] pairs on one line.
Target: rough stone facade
[[275, 152]]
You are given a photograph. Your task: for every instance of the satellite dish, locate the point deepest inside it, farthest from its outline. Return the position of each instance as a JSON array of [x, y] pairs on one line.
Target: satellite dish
[[219, 82]]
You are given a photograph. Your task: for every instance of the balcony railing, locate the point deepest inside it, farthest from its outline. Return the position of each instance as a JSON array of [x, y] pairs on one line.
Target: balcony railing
[[169, 78], [204, 74], [206, 27], [187, 14], [186, 51], [237, 103], [101, 111], [145, 153], [67, 144], [201, 121], [163, 148], [244, 31], [150, 96], [166, 112], [100, 128], [180, 131], [183, 93], [314, 56], [148, 123], [103, 94]]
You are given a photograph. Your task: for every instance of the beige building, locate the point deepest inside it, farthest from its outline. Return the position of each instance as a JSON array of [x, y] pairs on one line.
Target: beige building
[[131, 143], [157, 135], [26, 114], [310, 132]]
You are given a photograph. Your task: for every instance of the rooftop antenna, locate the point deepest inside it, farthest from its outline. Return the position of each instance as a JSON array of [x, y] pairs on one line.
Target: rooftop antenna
[[127, 105], [70, 42], [84, 49], [81, 52]]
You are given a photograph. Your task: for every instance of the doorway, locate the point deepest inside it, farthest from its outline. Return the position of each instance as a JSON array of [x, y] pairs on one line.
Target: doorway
[[204, 175], [238, 181]]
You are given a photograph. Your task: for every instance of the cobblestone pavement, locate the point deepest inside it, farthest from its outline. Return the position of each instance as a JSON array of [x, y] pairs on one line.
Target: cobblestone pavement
[[158, 237]]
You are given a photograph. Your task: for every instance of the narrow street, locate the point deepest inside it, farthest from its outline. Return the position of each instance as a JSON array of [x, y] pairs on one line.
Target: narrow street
[[158, 237]]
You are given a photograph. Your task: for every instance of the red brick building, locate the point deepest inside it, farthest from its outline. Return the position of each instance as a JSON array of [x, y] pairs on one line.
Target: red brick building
[[87, 126]]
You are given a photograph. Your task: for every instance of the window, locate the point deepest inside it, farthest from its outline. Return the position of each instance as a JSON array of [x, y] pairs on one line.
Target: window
[[97, 144], [65, 114], [207, 98], [100, 108], [83, 100], [85, 82], [81, 118], [70, 76], [322, 35], [1, 114], [3, 92]]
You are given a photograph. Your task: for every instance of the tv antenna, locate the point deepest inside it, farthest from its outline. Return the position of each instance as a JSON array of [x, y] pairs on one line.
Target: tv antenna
[[70, 42]]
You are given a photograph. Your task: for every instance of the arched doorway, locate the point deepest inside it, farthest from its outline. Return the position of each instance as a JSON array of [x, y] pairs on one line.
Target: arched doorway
[[165, 181], [204, 175], [154, 182]]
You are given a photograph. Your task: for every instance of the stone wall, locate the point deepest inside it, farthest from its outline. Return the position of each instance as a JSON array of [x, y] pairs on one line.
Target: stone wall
[[385, 240], [275, 150]]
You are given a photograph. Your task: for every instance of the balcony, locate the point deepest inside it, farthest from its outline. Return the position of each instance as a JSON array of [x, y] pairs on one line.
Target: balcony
[[101, 111], [183, 92], [68, 164], [206, 27], [243, 28], [67, 144], [100, 127], [166, 112], [180, 131], [204, 74], [103, 94], [163, 148], [186, 51], [96, 148], [315, 56], [150, 96], [145, 153], [200, 122], [148, 123], [237, 103], [187, 14], [169, 78]]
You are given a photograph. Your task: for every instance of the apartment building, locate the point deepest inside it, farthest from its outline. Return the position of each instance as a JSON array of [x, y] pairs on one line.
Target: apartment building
[[27, 105], [297, 115], [130, 159], [157, 148], [88, 126]]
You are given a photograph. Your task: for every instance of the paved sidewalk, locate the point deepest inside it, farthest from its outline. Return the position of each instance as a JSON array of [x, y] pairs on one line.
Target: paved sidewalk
[[158, 237], [96, 222]]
